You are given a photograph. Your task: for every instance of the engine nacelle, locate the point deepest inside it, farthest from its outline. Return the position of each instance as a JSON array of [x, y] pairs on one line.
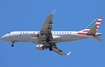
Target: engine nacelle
[[56, 37], [40, 47]]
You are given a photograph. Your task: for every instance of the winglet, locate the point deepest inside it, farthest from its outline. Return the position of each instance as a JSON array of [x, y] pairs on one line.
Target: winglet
[[53, 12], [68, 53]]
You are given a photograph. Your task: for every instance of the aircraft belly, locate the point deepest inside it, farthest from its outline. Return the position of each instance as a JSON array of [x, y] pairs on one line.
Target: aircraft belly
[[21, 39]]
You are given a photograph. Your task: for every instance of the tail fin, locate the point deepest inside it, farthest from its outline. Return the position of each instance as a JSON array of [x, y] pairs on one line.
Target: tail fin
[[92, 29], [96, 23], [92, 32]]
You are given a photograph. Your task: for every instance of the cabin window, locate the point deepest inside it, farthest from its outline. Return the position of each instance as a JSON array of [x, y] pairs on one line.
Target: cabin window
[[21, 32], [33, 32], [26, 33]]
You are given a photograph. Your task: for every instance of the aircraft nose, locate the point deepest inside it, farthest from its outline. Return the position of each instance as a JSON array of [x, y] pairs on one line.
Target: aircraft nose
[[4, 37]]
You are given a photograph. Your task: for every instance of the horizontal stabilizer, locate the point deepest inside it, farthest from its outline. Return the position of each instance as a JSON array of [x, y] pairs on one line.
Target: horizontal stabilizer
[[97, 38]]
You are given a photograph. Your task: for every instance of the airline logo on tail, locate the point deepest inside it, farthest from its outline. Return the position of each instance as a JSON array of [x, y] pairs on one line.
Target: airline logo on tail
[[96, 22]]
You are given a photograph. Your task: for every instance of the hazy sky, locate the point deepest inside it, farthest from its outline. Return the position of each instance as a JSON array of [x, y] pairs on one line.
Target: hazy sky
[[70, 15]]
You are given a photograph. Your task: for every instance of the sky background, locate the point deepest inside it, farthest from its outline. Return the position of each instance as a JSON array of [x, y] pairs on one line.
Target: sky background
[[23, 15]]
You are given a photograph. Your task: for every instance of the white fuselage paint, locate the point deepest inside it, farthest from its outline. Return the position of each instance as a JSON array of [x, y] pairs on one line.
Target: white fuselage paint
[[31, 36]]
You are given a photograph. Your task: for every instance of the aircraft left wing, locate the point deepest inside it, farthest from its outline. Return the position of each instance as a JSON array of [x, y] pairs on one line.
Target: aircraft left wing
[[57, 50]]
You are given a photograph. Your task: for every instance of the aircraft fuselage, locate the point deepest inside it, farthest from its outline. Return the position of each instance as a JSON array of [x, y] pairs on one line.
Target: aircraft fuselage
[[32, 36]]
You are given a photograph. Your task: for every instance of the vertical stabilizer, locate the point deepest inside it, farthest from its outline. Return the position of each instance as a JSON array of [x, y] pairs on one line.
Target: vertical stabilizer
[[92, 28], [96, 22]]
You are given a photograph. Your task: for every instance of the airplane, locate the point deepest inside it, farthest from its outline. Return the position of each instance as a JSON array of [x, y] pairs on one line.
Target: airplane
[[47, 39]]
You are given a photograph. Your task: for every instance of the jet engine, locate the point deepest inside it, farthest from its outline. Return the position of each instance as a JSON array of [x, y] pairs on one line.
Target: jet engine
[[40, 47], [56, 37]]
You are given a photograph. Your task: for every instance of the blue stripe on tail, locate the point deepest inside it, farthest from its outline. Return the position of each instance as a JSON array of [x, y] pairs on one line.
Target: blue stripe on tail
[[88, 27]]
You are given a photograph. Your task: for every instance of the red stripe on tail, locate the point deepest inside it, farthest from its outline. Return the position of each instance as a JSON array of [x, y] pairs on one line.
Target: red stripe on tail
[[98, 24]]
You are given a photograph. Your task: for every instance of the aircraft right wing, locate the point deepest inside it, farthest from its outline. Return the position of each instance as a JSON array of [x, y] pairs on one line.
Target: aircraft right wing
[[47, 28], [57, 50]]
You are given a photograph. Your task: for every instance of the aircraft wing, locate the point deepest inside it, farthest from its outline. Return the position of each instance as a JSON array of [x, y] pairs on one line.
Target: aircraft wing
[[57, 50], [47, 27]]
